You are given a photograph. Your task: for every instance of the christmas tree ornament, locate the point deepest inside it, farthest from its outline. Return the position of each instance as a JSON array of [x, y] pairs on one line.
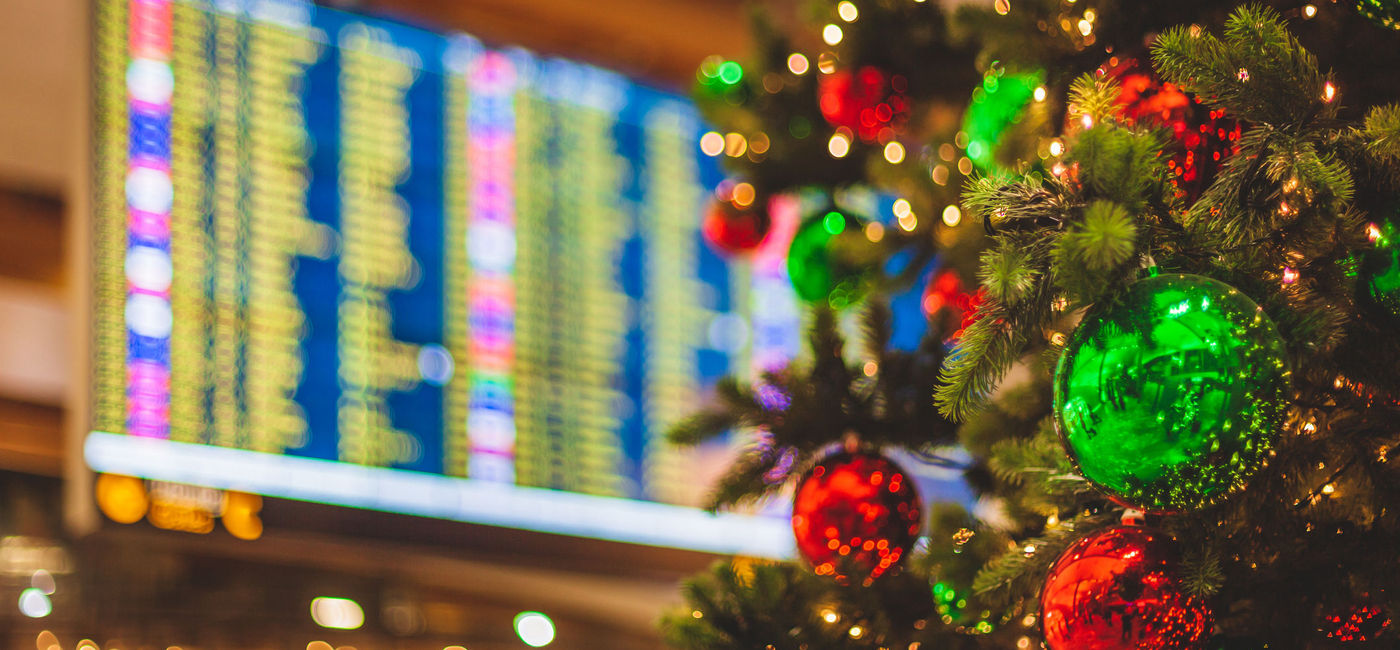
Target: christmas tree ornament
[[855, 515], [945, 290], [1002, 102], [831, 259], [1170, 396], [1204, 138], [1379, 273], [869, 102], [736, 222], [1117, 589], [1355, 624], [1385, 13]]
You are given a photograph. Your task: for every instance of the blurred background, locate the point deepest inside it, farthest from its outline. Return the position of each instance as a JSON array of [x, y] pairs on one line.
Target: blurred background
[[388, 540]]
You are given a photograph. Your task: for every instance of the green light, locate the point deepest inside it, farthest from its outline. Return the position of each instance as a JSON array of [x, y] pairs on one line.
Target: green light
[[939, 588], [834, 222], [730, 72]]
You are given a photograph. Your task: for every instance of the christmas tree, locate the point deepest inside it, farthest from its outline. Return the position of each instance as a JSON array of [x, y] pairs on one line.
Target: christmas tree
[[1162, 324]]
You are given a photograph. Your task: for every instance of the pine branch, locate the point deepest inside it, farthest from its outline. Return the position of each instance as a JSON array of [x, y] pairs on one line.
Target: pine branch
[[1094, 96], [1382, 131], [1259, 72]]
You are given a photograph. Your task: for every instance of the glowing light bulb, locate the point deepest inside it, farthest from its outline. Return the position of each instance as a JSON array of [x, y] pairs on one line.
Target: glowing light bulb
[[1085, 27], [1329, 92], [337, 613], [832, 34], [1040, 93], [952, 216], [839, 145], [894, 153], [1002, 7], [1309, 11], [847, 11], [534, 628], [798, 64], [712, 144], [34, 603]]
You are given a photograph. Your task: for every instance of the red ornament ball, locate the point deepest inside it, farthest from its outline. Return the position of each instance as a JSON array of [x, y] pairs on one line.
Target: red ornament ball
[[1205, 138], [735, 229], [1116, 590], [869, 102], [945, 291], [855, 515], [1356, 624]]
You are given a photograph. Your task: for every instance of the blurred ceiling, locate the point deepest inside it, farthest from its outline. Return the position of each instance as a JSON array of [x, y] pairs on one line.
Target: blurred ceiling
[[661, 40]]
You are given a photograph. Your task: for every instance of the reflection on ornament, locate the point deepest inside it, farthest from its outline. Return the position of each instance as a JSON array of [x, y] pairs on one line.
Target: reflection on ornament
[[1117, 589], [869, 102], [1360, 623], [1170, 396], [854, 516]]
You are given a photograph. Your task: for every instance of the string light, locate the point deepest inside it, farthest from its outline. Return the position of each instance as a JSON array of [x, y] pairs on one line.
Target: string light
[[847, 11], [1056, 147], [856, 632], [1040, 93], [712, 144], [1085, 27], [1329, 92], [952, 216], [1243, 74], [798, 64], [874, 232], [1003, 7], [894, 153], [1309, 11], [1329, 488], [939, 174], [1290, 275], [832, 34], [839, 145], [829, 616]]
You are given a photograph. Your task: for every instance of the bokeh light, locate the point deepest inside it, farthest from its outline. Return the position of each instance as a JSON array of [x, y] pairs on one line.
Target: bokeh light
[[534, 628], [337, 613]]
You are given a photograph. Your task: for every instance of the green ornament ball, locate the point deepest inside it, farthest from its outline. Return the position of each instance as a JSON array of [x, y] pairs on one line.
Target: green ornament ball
[[1379, 275], [1385, 13], [831, 259], [1170, 397], [997, 106]]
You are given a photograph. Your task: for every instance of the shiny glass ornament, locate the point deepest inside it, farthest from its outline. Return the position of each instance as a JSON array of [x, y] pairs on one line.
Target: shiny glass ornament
[[855, 515], [1117, 589], [1379, 275], [867, 101], [1169, 397], [830, 259], [735, 230], [1204, 138], [997, 106]]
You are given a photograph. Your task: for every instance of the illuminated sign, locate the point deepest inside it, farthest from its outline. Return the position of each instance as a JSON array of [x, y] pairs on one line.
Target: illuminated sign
[[344, 260]]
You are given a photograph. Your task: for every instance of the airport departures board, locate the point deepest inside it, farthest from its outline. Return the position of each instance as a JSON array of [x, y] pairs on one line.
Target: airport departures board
[[345, 260]]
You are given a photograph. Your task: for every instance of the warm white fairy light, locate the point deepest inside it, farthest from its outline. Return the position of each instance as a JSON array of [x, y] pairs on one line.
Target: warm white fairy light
[[832, 34]]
